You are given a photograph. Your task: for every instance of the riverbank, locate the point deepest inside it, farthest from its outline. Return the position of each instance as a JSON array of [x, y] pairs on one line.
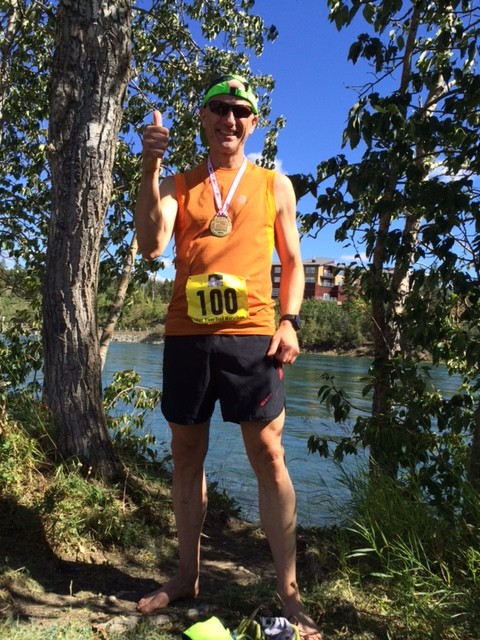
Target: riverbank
[[156, 336]]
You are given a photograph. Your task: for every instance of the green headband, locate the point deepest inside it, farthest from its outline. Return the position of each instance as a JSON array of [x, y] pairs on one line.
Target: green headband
[[220, 86]]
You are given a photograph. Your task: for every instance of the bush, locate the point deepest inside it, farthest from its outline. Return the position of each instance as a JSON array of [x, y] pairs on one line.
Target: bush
[[327, 325]]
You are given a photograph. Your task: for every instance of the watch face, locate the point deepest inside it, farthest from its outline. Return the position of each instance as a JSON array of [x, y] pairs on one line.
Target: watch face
[[295, 320]]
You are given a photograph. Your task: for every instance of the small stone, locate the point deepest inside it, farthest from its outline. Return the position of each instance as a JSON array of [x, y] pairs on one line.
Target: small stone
[[118, 624], [158, 621]]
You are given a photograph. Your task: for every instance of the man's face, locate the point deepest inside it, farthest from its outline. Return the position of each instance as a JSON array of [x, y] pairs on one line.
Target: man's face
[[228, 121]]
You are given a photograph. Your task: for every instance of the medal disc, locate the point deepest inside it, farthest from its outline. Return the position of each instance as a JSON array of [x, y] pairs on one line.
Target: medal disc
[[220, 226]]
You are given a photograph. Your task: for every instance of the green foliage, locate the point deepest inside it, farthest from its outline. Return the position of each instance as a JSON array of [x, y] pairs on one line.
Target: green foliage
[[13, 630], [73, 507], [76, 510], [409, 201], [146, 306], [24, 180], [19, 456], [20, 347], [327, 325], [432, 566], [141, 311], [11, 294], [20, 354], [431, 442], [127, 404]]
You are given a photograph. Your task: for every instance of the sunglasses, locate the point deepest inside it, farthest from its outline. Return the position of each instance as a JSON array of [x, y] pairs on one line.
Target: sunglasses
[[223, 108]]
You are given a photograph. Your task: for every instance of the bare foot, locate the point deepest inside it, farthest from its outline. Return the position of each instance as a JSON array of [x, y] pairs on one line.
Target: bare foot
[[161, 598], [294, 611]]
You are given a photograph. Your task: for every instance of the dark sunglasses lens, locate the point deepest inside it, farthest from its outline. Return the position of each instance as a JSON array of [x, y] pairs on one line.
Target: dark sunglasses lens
[[219, 108], [241, 112], [223, 108]]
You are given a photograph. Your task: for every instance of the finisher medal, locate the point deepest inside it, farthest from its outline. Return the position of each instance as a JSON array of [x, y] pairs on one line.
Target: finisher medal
[[220, 226]]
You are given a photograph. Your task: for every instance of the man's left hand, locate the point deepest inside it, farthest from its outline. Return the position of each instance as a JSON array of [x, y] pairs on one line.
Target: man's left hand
[[284, 344]]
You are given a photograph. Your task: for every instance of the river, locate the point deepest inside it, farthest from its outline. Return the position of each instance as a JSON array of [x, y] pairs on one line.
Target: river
[[321, 493]]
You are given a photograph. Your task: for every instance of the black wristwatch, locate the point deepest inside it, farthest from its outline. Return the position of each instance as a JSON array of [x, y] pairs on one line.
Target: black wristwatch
[[295, 320]]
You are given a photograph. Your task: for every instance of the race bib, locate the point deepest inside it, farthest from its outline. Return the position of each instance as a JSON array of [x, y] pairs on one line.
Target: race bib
[[217, 297]]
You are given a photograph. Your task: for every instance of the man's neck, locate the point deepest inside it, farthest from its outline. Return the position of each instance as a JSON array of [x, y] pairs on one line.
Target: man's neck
[[226, 161]]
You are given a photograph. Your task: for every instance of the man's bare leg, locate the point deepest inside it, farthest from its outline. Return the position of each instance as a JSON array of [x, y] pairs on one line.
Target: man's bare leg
[[189, 448], [277, 506]]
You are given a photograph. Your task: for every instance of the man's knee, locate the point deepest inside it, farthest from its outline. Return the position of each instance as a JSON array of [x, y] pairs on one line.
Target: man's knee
[[189, 445], [269, 463]]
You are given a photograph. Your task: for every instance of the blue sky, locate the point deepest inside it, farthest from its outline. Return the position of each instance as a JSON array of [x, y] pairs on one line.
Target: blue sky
[[313, 91], [312, 76]]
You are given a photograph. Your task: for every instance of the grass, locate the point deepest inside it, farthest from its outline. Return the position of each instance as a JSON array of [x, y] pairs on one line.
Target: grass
[[12, 630], [396, 570]]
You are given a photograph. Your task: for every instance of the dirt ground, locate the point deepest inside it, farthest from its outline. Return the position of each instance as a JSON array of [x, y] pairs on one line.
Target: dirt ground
[[102, 589]]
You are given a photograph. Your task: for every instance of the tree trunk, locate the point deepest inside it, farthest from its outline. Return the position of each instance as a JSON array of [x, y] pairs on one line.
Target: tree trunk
[[91, 68], [382, 437], [388, 338], [6, 46], [117, 306]]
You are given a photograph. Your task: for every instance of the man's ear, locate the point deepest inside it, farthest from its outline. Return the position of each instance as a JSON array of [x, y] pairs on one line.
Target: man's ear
[[254, 123]]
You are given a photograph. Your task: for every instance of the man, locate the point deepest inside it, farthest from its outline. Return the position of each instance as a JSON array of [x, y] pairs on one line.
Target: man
[[227, 215]]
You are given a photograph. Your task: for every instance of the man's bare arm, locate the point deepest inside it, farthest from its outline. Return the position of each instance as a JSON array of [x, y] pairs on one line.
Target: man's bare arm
[[156, 206], [284, 345]]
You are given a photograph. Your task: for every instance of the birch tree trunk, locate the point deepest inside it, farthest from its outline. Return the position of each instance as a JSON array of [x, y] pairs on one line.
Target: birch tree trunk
[[5, 48], [91, 68], [118, 303], [388, 338]]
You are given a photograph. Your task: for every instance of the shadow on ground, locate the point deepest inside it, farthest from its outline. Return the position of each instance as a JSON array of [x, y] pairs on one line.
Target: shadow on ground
[[36, 583]]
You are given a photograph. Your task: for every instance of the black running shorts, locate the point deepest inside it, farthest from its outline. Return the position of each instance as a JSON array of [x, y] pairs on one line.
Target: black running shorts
[[199, 370]]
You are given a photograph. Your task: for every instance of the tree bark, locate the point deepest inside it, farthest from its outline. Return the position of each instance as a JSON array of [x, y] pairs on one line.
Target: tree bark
[[91, 68], [6, 46], [118, 303]]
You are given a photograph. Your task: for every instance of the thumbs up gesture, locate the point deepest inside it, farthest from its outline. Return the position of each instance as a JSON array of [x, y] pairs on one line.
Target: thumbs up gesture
[[155, 142]]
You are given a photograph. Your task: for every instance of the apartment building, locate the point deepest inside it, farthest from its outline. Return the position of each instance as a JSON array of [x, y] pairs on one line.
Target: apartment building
[[322, 281]]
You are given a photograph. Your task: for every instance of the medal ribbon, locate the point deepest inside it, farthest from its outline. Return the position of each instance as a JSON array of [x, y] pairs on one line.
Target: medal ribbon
[[222, 208]]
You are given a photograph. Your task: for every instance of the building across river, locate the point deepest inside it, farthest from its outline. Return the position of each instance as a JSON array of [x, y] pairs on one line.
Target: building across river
[[323, 279]]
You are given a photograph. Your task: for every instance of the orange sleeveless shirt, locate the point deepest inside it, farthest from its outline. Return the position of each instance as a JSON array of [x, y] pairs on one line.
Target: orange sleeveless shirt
[[246, 252]]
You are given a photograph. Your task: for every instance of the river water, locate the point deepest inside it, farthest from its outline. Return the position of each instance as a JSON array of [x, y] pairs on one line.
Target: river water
[[321, 494]]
